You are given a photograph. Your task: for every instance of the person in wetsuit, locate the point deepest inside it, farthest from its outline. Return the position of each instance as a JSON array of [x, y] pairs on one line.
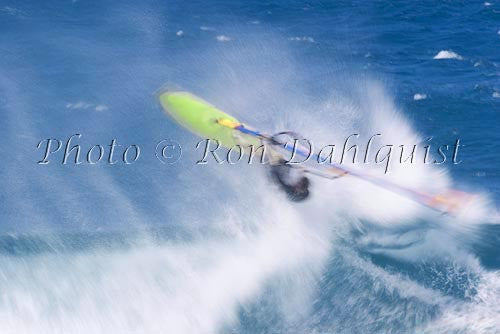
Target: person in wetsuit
[[291, 180]]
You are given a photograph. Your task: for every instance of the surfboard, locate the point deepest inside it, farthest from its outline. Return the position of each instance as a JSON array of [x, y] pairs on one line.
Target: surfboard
[[200, 117]]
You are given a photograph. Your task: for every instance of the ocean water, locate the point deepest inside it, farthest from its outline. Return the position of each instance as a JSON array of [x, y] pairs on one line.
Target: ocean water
[[184, 248]]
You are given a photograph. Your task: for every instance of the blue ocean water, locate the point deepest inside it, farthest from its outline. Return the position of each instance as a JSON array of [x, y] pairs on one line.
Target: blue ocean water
[[157, 248]]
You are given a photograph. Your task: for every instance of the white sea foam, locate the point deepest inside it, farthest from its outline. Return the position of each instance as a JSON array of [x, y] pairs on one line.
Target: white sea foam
[[101, 107], [192, 287], [481, 315], [79, 105], [179, 33], [302, 39], [11, 10], [82, 105], [417, 97], [369, 111], [205, 28], [223, 38], [447, 54], [198, 286]]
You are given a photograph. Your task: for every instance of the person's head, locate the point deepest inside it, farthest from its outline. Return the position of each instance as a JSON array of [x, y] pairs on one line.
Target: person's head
[[300, 191], [303, 185]]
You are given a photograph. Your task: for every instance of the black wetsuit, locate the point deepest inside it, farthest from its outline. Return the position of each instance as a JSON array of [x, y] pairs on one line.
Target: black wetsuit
[[296, 188]]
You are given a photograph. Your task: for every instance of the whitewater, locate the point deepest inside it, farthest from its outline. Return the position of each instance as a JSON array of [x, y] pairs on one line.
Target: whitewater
[[188, 248]]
